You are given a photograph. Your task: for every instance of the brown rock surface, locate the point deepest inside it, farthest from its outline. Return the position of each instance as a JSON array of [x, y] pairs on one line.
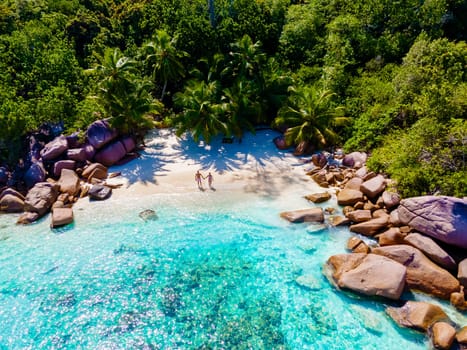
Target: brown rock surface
[[422, 273], [373, 187], [338, 220], [370, 227], [431, 249], [391, 236], [318, 197], [69, 182], [61, 216], [349, 197], [442, 335], [95, 170], [391, 199], [461, 335], [41, 197], [416, 314], [11, 201], [304, 215], [368, 274], [354, 184], [359, 215]]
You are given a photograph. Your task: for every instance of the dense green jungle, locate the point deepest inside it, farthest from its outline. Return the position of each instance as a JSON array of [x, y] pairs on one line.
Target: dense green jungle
[[382, 76]]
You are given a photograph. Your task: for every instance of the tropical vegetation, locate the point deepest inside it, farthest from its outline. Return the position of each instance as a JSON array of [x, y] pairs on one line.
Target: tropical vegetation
[[385, 77]]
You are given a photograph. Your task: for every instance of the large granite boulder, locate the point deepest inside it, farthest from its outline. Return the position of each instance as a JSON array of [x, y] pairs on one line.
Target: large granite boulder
[[61, 217], [422, 273], [100, 133], [129, 143], [69, 182], [354, 159], [417, 314], [54, 148], [462, 272], [443, 218], [304, 215], [373, 187], [63, 164], [370, 227], [40, 198], [11, 201], [77, 154], [442, 335], [431, 249], [36, 173], [111, 154], [349, 197], [367, 274]]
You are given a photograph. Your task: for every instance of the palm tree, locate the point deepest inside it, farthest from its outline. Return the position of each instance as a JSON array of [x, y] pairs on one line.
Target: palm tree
[[310, 118], [115, 71], [125, 97], [202, 114], [164, 58]]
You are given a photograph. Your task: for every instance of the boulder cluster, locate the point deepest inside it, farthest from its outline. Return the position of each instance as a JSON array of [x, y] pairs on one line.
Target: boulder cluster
[[412, 244], [62, 171]]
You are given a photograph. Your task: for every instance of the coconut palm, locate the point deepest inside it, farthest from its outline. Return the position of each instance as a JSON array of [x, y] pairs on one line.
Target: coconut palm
[[125, 97], [165, 59], [202, 114], [310, 118]]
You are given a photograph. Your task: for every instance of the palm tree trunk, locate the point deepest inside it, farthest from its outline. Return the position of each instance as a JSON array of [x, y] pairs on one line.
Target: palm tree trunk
[[163, 89], [212, 13]]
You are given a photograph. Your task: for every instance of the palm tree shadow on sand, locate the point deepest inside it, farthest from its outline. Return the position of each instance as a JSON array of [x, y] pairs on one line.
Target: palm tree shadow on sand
[[252, 153]]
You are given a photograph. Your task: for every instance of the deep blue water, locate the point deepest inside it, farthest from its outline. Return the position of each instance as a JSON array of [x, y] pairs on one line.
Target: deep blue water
[[209, 273]]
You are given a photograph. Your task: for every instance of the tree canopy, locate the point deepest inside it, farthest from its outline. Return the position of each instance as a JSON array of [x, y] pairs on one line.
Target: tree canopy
[[395, 72]]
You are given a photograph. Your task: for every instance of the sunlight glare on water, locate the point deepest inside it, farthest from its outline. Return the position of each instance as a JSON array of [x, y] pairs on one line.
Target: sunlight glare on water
[[219, 272]]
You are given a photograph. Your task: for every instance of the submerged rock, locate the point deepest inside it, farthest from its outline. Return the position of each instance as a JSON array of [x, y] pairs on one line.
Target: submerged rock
[[309, 281], [416, 314], [148, 214]]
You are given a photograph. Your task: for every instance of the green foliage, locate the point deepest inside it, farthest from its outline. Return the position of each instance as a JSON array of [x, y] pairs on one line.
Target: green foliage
[[430, 158]]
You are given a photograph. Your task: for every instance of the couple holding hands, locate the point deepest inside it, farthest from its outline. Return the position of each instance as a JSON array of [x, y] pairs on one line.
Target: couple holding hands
[[199, 179]]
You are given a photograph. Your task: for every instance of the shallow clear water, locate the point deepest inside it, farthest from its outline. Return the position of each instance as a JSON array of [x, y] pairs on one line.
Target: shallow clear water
[[214, 271]]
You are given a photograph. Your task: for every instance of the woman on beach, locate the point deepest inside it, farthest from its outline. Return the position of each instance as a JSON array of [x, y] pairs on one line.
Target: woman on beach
[[210, 179]]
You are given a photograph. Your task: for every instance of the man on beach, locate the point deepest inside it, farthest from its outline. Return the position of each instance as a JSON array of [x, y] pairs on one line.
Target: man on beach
[[198, 180]]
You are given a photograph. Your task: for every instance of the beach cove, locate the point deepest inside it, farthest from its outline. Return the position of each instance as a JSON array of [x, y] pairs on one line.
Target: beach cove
[[217, 268]]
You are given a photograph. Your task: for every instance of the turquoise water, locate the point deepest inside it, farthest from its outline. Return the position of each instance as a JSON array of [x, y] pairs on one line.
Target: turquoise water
[[209, 273]]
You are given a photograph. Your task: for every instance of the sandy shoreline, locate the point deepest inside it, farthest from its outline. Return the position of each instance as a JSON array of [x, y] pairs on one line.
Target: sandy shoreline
[[168, 165]]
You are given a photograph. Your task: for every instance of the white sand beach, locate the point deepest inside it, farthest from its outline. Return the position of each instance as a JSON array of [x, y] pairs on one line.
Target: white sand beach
[[168, 165]]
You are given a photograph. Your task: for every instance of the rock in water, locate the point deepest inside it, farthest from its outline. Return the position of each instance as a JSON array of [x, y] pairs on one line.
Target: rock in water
[[148, 214]]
